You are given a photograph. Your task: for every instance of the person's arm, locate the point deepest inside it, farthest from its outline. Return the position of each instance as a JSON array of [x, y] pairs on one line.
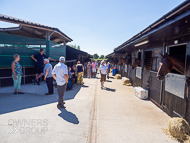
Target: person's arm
[[47, 71], [32, 56], [51, 59], [76, 68], [54, 76], [13, 69], [83, 68], [66, 78], [53, 73]]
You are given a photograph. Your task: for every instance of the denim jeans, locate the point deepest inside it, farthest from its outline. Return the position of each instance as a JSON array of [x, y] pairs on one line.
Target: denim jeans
[[17, 82]]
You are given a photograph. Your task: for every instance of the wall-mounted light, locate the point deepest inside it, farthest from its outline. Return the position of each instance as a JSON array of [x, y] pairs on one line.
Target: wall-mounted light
[[142, 43]]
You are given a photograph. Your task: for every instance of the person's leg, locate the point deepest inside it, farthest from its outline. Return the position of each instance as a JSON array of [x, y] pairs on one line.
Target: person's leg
[[19, 83], [51, 85], [72, 81], [80, 81], [103, 80], [39, 76], [48, 82], [102, 83], [60, 90], [78, 78], [81, 78], [37, 71], [88, 75], [15, 81]]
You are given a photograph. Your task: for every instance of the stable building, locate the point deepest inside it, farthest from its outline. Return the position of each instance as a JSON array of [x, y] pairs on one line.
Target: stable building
[[73, 55], [25, 40], [169, 35]]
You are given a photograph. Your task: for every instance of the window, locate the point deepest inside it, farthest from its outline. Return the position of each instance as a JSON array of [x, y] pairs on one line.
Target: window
[[156, 58]]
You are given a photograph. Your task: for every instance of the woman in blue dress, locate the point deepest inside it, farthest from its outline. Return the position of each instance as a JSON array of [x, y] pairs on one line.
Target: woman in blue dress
[[17, 74]]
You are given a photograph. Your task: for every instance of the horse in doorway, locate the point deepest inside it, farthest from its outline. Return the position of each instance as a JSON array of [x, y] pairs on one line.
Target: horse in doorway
[[136, 63], [122, 60], [168, 63]]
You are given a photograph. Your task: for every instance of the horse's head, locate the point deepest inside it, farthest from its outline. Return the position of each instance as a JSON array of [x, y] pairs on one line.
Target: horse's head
[[122, 60], [116, 61], [136, 63], [165, 66]]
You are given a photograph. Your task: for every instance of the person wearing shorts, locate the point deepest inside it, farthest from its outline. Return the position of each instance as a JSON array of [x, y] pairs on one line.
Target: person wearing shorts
[[103, 72], [39, 62], [94, 69]]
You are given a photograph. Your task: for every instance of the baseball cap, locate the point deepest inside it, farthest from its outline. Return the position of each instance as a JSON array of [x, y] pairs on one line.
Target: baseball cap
[[102, 62], [62, 58]]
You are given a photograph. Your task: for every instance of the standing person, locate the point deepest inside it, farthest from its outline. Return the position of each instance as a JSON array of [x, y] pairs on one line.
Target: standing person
[[103, 71], [39, 62], [94, 69], [70, 74], [60, 74], [48, 76], [73, 70], [17, 73], [85, 66], [80, 72], [108, 67], [88, 70], [96, 66]]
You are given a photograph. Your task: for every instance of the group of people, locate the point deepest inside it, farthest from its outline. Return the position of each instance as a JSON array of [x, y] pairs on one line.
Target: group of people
[[92, 68], [60, 73], [104, 70], [76, 74]]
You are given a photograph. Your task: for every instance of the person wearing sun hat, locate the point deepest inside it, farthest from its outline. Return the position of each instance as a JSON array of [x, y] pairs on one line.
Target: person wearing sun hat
[[103, 72]]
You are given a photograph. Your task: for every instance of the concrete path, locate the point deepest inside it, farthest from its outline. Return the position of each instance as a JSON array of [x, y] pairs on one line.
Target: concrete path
[[121, 117], [112, 115], [34, 117]]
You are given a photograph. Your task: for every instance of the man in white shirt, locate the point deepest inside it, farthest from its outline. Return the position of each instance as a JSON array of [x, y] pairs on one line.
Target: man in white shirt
[[103, 72], [60, 74]]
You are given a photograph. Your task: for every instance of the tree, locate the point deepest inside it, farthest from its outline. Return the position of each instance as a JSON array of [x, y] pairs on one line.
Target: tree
[[75, 47], [95, 56], [101, 57], [72, 46]]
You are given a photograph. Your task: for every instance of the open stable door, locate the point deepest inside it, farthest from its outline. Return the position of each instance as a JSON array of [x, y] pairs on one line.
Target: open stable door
[[175, 97]]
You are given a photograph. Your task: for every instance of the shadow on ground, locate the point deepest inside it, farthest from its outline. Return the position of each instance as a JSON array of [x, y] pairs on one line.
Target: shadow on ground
[[10, 102], [112, 77], [68, 116], [110, 89]]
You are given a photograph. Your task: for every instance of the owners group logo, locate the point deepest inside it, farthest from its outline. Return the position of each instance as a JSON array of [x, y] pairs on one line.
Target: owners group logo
[[28, 126]]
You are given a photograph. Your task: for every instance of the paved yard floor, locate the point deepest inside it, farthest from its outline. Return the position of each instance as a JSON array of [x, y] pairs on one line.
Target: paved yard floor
[[124, 118], [34, 117], [118, 116]]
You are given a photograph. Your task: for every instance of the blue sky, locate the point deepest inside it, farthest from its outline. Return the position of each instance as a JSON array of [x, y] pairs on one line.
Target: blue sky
[[98, 26]]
